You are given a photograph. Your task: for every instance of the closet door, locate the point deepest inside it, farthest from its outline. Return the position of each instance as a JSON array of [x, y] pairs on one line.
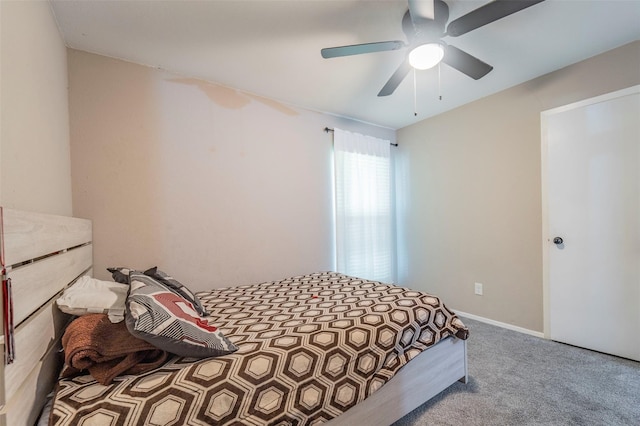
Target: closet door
[[591, 185]]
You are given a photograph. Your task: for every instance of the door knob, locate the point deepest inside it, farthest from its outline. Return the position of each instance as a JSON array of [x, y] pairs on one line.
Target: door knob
[[558, 240]]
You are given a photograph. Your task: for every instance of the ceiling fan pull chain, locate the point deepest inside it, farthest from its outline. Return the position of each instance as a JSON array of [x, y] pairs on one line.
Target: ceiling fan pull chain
[[415, 95], [439, 84]]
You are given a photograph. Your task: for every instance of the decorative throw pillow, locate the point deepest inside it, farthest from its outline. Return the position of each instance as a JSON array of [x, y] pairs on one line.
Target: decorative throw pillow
[[120, 275], [177, 287], [91, 296], [161, 317]]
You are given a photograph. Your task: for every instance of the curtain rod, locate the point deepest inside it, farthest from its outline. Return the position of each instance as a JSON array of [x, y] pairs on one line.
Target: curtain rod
[[327, 130]]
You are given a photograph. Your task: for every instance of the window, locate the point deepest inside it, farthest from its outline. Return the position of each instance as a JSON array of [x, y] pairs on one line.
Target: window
[[364, 232]]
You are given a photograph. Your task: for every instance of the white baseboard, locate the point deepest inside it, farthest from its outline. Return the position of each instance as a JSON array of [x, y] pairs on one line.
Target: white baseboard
[[500, 324]]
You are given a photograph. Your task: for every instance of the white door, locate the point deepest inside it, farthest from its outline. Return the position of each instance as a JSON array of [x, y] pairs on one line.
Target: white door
[[591, 185]]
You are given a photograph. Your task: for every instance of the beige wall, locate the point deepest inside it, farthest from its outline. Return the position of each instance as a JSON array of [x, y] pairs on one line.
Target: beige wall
[[35, 169], [215, 186], [469, 197]]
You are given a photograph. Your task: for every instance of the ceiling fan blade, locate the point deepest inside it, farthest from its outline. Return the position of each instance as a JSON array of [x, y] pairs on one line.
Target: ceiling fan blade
[[465, 63], [421, 9], [358, 49], [395, 79], [486, 14]]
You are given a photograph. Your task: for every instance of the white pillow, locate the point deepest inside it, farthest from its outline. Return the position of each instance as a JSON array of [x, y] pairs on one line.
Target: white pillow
[[90, 296]]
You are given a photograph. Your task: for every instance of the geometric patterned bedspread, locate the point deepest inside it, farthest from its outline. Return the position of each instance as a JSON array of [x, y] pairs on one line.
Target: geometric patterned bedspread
[[310, 348]]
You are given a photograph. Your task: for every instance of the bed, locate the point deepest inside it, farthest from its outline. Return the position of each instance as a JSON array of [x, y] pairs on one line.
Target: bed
[[302, 353]]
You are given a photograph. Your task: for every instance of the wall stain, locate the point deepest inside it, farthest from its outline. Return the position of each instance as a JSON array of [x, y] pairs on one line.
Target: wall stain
[[230, 98], [275, 105], [220, 95]]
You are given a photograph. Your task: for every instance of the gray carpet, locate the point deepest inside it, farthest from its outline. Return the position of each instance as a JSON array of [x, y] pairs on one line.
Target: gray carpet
[[517, 379]]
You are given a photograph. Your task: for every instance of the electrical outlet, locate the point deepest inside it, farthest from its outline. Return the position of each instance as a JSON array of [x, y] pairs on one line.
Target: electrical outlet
[[478, 289]]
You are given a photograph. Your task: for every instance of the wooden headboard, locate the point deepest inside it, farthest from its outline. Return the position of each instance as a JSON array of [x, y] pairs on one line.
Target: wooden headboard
[[40, 255]]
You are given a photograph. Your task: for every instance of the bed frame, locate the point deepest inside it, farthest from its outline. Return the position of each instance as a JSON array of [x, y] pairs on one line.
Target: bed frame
[[42, 254], [421, 379]]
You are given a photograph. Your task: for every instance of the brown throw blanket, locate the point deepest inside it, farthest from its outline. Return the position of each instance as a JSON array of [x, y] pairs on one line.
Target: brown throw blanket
[[106, 350]]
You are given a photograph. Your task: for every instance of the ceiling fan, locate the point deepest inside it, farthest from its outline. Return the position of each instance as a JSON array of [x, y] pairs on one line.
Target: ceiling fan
[[424, 24]]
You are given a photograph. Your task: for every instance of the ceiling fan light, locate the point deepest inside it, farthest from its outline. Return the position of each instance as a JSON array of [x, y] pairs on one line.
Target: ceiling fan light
[[426, 56]]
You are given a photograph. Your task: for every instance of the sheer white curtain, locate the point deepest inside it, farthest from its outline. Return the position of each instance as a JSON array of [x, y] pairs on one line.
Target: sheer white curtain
[[364, 237]]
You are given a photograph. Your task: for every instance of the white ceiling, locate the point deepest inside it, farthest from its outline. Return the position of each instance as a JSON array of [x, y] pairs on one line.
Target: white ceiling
[[272, 48]]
